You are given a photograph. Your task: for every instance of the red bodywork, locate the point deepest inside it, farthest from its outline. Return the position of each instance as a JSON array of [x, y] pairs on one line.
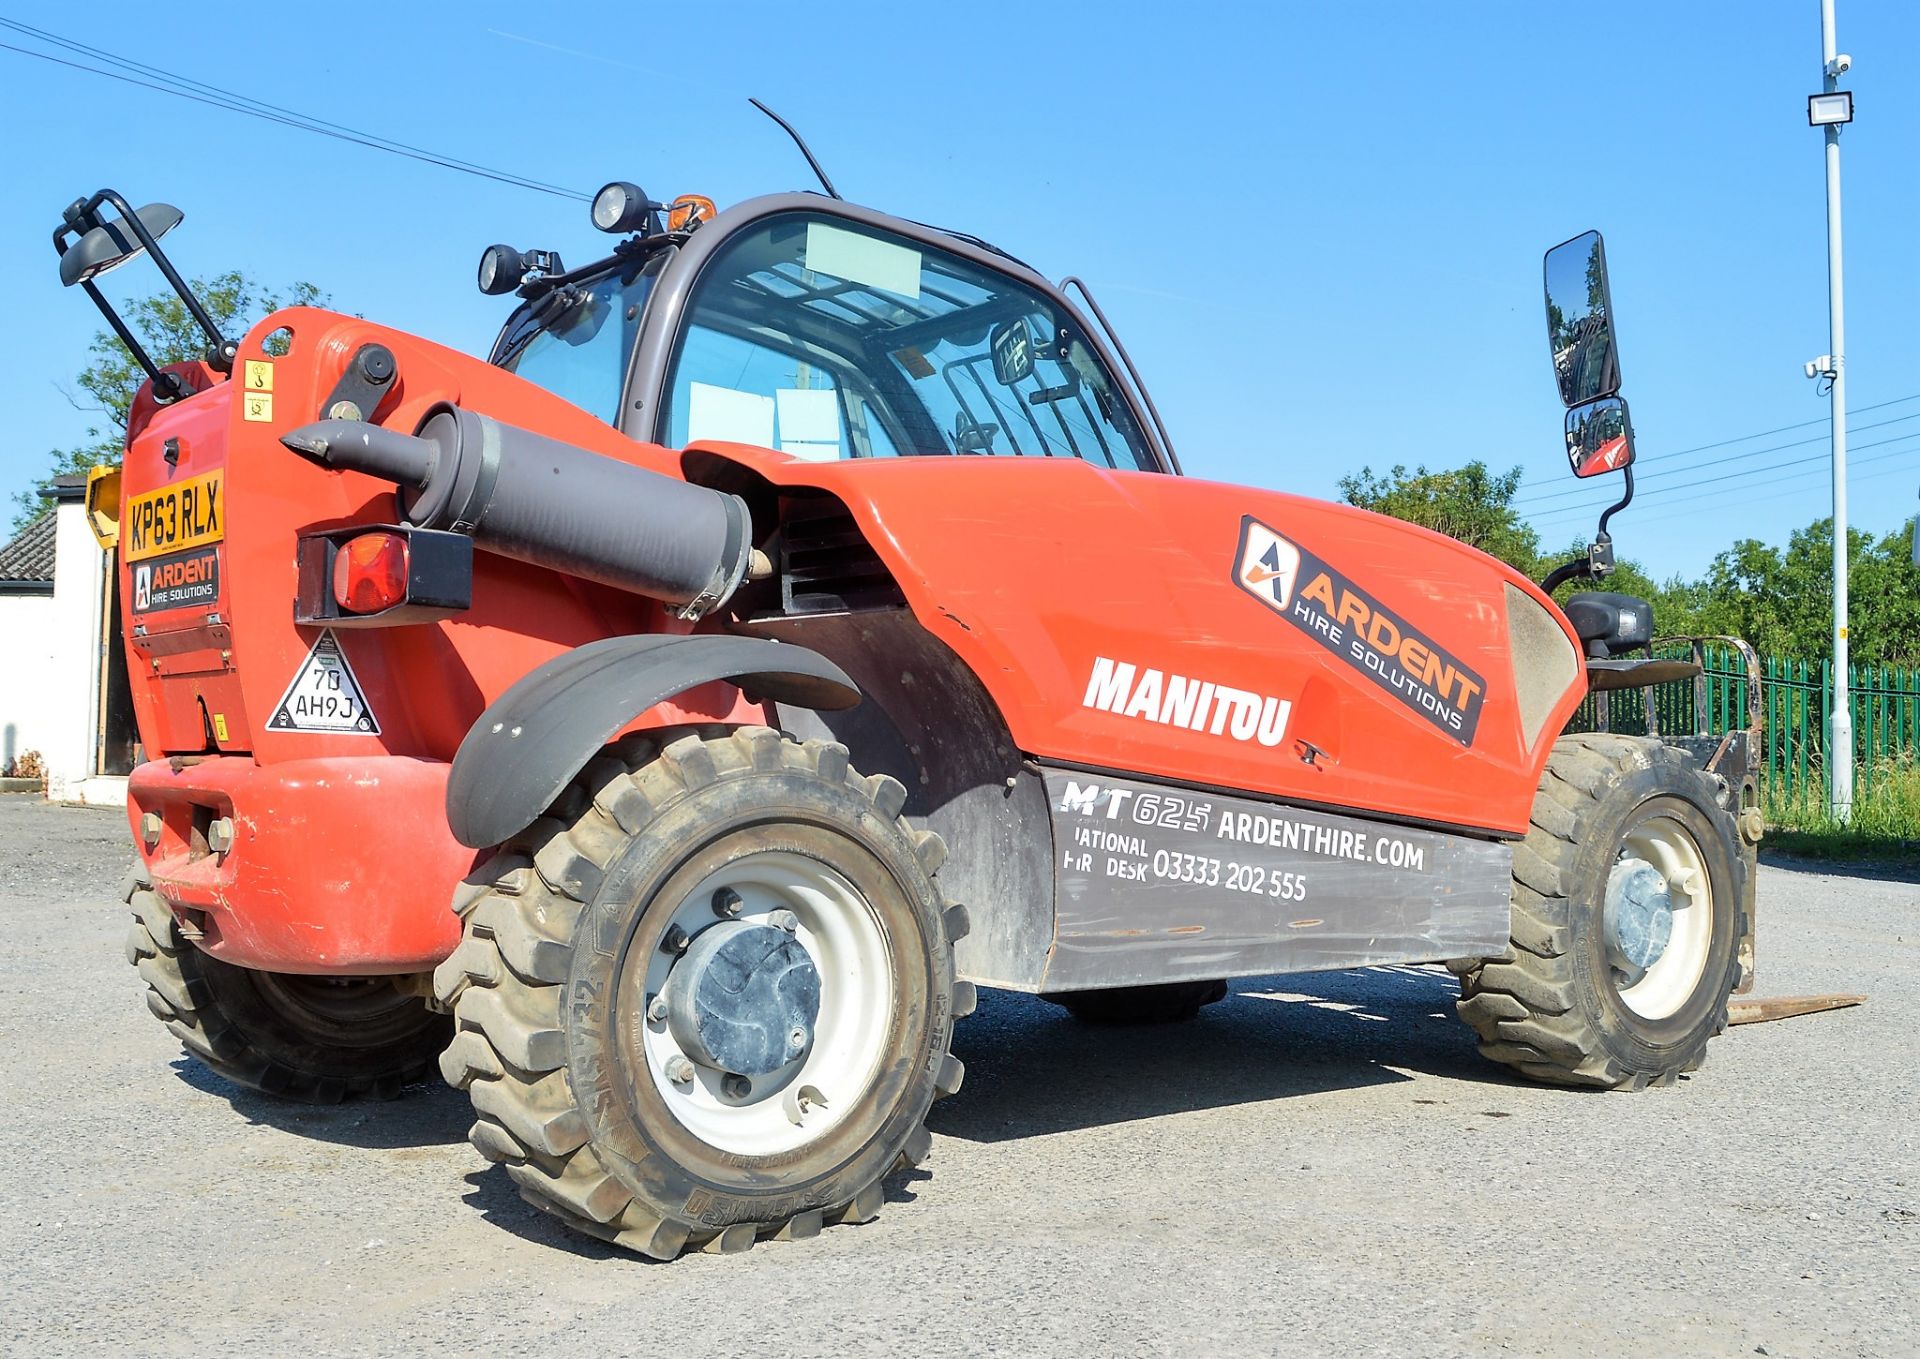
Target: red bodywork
[[1030, 570]]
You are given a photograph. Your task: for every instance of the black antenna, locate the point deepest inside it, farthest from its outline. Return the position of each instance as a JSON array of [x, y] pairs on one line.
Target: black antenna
[[825, 183]]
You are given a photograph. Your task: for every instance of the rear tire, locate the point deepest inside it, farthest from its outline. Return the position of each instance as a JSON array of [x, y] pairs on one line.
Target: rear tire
[[316, 1040], [573, 931], [1563, 1005], [1164, 1003]]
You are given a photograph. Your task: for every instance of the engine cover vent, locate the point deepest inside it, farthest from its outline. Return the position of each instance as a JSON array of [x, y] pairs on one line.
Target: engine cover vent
[[827, 566]]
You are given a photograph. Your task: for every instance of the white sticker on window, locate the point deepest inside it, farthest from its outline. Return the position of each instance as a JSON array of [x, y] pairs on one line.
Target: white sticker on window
[[862, 259], [808, 415], [722, 414]]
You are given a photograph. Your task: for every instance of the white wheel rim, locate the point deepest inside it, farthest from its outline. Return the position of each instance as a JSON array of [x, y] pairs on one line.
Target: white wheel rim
[[803, 1100], [1672, 979]]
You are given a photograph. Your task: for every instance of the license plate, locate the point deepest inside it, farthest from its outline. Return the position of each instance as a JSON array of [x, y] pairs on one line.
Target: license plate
[[186, 514]]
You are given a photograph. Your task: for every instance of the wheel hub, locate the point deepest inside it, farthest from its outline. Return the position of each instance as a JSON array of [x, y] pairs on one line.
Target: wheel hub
[[744, 999], [1639, 916]]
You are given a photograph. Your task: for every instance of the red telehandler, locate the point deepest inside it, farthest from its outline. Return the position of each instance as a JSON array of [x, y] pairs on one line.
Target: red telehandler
[[798, 620]]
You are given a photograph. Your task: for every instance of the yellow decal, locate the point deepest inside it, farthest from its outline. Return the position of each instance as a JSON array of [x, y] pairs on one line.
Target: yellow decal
[[257, 406], [259, 375], [187, 514], [220, 726]]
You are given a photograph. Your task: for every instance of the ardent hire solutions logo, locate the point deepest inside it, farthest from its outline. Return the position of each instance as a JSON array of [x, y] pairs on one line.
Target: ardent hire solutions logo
[[1359, 629]]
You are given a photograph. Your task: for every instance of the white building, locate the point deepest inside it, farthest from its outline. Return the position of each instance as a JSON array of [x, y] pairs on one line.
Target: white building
[[63, 685]]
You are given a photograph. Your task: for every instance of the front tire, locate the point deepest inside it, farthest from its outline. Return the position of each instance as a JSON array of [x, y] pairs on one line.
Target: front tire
[[317, 1040], [767, 877], [1626, 922]]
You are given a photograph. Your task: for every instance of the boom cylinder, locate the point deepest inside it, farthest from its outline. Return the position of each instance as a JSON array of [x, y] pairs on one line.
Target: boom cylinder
[[538, 500]]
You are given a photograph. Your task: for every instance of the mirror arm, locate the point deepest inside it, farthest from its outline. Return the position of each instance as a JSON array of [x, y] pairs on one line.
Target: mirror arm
[[221, 350], [166, 386], [1611, 510], [1598, 563]]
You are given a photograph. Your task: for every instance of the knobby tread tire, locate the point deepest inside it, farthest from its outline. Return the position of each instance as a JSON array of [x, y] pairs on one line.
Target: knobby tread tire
[[1527, 1007], [507, 980], [180, 996]]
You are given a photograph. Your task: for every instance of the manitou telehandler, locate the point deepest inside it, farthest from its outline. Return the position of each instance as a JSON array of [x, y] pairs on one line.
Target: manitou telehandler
[[798, 620]]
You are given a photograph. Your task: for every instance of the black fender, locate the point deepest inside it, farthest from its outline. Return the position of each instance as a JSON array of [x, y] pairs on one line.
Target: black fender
[[529, 744]]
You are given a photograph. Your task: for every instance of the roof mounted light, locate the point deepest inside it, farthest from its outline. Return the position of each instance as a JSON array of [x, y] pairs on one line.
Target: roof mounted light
[[1830, 110], [622, 207], [501, 269]]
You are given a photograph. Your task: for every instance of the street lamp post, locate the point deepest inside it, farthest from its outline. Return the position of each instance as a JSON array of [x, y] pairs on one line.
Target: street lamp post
[[1832, 109]]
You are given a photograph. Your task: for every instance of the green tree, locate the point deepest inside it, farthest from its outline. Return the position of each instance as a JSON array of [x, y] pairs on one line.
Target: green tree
[[1781, 600], [1469, 503], [105, 388]]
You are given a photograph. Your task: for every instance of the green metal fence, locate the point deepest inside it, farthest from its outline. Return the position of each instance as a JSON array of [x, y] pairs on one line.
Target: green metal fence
[[1795, 698]]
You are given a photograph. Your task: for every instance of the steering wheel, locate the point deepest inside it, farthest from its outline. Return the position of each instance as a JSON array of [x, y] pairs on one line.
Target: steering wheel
[[972, 436]]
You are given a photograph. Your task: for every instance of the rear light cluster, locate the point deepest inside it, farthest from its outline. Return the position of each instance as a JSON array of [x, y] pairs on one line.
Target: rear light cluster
[[379, 575], [370, 572]]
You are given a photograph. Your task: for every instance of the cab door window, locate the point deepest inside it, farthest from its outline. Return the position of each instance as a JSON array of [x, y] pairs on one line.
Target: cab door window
[[824, 339]]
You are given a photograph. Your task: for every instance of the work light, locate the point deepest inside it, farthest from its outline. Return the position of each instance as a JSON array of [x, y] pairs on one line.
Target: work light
[[1830, 110]]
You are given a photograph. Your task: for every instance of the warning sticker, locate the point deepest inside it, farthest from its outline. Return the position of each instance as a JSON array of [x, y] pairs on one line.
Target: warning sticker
[[325, 696]]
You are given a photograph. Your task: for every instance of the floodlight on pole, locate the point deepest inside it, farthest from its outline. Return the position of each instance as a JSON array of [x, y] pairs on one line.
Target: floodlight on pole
[[1830, 110]]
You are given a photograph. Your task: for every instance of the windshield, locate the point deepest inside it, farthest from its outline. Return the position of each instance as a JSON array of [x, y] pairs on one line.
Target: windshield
[[825, 339], [575, 341]]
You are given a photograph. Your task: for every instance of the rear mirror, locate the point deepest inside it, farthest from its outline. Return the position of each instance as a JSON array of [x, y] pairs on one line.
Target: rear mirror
[[1580, 320], [1599, 437], [112, 244], [1012, 346]]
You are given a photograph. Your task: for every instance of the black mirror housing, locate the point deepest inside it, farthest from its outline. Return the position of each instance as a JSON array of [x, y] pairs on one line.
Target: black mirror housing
[[112, 243], [1012, 349], [1599, 437], [1586, 360]]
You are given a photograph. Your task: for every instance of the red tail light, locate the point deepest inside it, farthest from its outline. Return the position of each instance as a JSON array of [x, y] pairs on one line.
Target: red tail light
[[370, 572]]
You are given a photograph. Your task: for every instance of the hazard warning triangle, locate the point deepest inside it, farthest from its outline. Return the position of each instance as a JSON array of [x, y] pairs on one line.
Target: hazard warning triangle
[[325, 696]]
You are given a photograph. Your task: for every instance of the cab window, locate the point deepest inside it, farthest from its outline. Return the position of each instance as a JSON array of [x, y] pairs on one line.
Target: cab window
[[825, 340], [575, 341]]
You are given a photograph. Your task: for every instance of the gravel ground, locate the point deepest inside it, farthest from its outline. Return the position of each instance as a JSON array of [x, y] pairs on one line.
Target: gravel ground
[[1319, 1165]]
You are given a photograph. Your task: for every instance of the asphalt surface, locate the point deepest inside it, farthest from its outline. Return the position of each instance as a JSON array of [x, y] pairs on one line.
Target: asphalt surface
[[1320, 1165]]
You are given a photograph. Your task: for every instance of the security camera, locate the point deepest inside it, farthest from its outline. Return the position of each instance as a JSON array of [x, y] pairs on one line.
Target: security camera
[[1820, 367], [1840, 65]]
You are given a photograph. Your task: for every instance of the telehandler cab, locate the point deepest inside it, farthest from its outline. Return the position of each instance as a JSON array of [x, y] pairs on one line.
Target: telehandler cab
[[798, 620]]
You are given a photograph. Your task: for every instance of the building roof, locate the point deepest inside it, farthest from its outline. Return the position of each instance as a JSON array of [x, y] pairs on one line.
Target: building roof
[[27, 561], [67, 486]]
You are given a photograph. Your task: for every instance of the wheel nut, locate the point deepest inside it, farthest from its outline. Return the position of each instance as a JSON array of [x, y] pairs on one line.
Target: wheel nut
[[726, 903], [736, 1086], [674, 940], [784, 920], [679, 1070], [657, 1009]]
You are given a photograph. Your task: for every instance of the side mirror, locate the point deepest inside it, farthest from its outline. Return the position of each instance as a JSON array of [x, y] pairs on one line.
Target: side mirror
[[112, 244], [1012, 346], [1599, 437], [1580, 320]]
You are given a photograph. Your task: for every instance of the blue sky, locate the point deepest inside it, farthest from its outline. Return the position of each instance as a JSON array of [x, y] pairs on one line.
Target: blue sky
[[1318, 227]]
